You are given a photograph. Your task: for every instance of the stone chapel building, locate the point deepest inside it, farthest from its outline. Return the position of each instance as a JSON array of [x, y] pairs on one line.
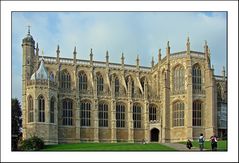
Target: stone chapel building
[[73, 100]]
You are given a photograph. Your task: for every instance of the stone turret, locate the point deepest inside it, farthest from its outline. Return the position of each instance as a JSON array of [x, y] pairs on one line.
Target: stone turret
[[152, 62], [91, 57], [74, 53], [58, 54], [224, 73], [37, 53], [107, 58], [28, 56], [207, 54], [159, 56], [137, 62], [188, 46], [122, 60], [168, 50]]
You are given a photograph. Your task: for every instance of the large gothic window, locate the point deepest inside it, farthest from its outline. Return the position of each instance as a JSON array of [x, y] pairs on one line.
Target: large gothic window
[[137, 116], [120, 115], [41, 109], [178, 114], [100, 83], [103, 115], [85, 108], [65, 81], [179, 79], [82, 81], [152, 112], [30, 109], [117, 85], [197, 79], [52, 110], [197, 113], [67, 112]]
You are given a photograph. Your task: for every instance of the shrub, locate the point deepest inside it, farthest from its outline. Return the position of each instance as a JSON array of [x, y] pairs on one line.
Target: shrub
[[32, 144]]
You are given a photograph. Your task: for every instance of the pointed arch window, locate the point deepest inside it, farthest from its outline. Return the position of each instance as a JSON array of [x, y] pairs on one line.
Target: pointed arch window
[[67, 112], [197, 79], [103, 115], [178, 114], [219, 92], [117, 85], [30, 109], [120, 115], [100, 83], [132, 87], [65, 82], [52, 76], [41, 109], [85, 113], [197, 113], [152, 113], [137, 116], [52, 110], [179, 79], [82, 81], [142, 83]]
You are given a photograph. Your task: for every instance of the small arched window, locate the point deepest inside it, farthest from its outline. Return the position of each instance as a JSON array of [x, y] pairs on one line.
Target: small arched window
[[100, 83], [82, 81], [52, 110], [142, 81], [132, 87], [152, 112], [30, 109], [117, 85], [65, 82], [52, 76], [41, 109], [219, 92]]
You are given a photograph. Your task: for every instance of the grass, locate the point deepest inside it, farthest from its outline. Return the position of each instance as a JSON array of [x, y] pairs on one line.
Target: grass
[[221, 145], [107, 147]]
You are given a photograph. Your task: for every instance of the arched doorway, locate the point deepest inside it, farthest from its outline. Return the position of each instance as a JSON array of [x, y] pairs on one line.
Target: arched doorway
[[154, 135]]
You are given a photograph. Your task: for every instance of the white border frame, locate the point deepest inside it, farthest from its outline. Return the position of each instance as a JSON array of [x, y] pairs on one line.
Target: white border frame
[[230, 155]]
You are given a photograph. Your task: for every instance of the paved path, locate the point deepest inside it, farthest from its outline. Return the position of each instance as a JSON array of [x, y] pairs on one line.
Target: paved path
[[181, 147]]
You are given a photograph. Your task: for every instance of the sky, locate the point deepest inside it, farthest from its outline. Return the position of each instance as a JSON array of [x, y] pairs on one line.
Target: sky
[[133, 33]]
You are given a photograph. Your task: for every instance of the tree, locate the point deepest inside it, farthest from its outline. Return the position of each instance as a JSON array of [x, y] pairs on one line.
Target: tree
[[16, 123]]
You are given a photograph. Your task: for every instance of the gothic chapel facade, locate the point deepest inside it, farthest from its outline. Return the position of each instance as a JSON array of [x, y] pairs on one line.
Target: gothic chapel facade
[[72, 100]]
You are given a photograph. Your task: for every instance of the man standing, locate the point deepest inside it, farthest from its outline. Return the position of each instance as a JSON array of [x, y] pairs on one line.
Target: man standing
[[201, 142]]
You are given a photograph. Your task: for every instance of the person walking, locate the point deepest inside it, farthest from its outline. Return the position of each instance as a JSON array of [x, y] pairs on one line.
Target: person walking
[[201, 140], [213, 140]]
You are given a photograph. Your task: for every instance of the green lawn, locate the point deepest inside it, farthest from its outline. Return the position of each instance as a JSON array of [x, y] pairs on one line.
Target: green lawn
[[221, 145], [107, 147]]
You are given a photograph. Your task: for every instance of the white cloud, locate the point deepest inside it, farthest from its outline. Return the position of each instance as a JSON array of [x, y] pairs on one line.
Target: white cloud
[[133, 33]]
